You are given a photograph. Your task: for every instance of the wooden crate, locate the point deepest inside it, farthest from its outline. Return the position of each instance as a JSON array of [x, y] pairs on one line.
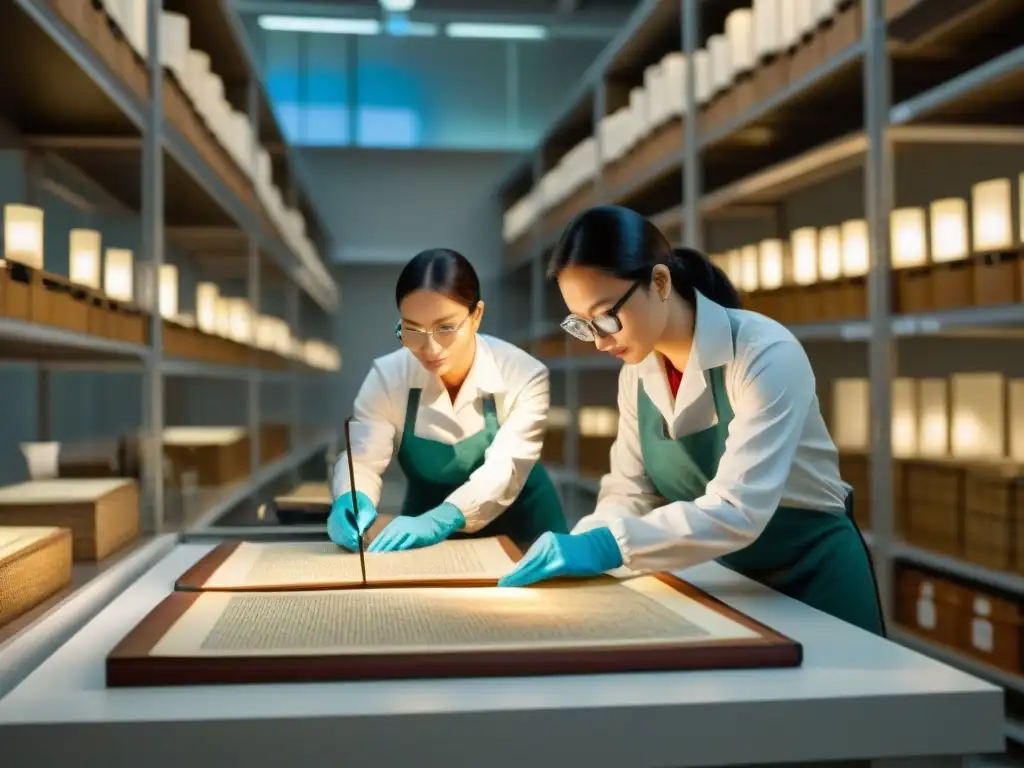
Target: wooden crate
[[990, 629], [56, 301], [935, 493], [35, 563], [595, 455], [855, 469], [92, 459], [993, 501], [552, 452], [16, 282], [273, 442], [217, 455], [930, 606], [101, 513], [552, 346]]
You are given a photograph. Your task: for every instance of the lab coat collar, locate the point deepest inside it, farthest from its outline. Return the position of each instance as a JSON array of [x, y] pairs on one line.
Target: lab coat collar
[[484, 378], [712, 347]]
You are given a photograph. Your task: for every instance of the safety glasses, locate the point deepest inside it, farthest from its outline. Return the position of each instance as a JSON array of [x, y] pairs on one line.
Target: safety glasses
[[602, 326], [444, 336]]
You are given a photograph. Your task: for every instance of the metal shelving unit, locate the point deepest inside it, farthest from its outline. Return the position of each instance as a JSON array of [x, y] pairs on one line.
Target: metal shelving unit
[[908, 97], [64, 102]]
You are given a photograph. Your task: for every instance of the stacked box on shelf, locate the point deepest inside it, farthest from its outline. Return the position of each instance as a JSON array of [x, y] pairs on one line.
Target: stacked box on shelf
[[36, 296], [553, 451], [273, 442], [973, 620], [551, 346], [35, 563], [95, 27], [935, 504], [597, 430], [217, 455], [764, 50], [993, 529], [855, 469], [101, 513]]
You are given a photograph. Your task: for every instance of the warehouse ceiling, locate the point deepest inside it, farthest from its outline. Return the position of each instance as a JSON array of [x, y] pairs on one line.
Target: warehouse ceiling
[[599, 17]]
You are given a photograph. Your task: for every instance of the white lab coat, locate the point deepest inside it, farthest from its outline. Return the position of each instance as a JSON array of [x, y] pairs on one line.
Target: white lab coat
[[520, 386], [778, 451]]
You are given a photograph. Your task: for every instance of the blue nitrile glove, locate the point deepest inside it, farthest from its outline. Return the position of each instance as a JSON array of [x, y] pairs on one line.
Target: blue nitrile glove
[[565, 554], [345, 525], [407, 532]]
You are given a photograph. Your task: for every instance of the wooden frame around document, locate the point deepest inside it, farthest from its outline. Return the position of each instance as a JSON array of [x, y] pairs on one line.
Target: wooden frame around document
[[130, 664], [195, 578]]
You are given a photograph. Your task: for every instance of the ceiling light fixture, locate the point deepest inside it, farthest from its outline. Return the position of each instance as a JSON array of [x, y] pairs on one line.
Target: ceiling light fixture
[[320, 25], [400, 26], [497, 31], [397, 6]]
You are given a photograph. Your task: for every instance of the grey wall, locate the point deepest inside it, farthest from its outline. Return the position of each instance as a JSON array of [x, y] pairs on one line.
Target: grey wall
[[384, 206]]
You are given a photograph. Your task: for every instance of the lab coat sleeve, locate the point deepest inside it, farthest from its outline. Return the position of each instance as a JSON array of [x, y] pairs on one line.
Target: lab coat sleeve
[[773, 390], [493, 487], [372, 432], [625, 491]]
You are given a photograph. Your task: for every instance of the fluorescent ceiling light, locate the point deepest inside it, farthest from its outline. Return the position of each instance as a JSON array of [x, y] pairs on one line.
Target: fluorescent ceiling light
[[315, 24], [397, 6], [400, 26], [497, 31]]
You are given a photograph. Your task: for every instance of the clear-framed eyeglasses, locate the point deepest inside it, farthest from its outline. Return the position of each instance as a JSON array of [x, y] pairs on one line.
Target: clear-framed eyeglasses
[[444, 336], [602, 326]]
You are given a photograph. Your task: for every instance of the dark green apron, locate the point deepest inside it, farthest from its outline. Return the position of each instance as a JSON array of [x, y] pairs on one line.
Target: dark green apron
[[434, 470], [815, 557]]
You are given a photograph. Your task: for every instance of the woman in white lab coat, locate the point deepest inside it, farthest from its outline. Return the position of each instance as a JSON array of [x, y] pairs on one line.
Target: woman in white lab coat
[[722, 452], [463, 413]]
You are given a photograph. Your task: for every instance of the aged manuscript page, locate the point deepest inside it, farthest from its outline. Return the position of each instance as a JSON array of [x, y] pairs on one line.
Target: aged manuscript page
[[602, 614], [304, 564]]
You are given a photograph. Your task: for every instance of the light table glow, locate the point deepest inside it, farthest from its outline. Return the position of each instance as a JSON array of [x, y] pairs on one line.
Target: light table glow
[[804, 246], [978, 415], [771, 264], [992, 227], [118, 274], [23, 235], [949, 229], [904, 417], [84, 258], [855, 259], [1016, 404], [850, 412], [933, 417], [598, 422], [830, 253], [907, 237], [207, 298], [749, 257]]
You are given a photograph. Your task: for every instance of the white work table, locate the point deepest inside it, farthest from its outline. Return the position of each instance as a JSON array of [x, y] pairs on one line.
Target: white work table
[[855, 697]]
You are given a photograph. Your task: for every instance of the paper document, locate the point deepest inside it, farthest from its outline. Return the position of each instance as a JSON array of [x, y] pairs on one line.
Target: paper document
[[603, 614], [305, 564]]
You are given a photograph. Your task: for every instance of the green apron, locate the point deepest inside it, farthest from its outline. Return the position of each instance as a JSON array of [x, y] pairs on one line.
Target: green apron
[[818, 558], [434, 470]]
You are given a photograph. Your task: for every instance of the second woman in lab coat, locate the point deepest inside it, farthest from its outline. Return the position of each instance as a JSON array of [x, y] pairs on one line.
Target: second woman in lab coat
[[463, 413], [722, 452]]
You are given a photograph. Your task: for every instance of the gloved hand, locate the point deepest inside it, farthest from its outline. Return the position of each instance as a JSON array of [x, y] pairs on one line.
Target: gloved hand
[[345, 525], [407, 532], [565, 554]]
